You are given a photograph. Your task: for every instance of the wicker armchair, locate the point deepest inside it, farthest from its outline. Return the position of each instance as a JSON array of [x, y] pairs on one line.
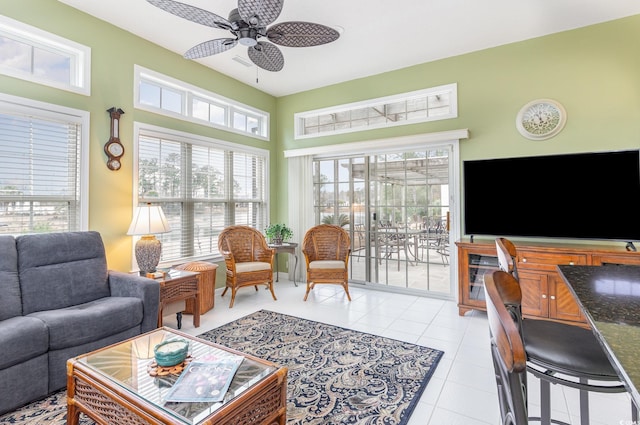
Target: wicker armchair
[[248, 258], [326, 250]]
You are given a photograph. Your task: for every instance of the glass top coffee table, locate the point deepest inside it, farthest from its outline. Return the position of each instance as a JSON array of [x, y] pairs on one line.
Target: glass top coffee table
[[122, 384]]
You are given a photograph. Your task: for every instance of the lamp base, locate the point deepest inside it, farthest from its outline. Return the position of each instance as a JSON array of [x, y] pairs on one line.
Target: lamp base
[[148, 250]]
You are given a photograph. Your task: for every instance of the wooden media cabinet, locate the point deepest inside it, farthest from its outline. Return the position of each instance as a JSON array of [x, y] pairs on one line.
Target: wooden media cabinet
[[544, 293]]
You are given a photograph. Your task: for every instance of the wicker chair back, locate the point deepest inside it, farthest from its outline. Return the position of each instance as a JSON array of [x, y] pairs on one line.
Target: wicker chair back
[[245, 244], [326, 242]]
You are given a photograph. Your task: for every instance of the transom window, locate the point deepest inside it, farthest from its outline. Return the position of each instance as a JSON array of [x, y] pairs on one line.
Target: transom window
[[432, 104], [203, 186], [32, 54], [43, 153], [165, 95]]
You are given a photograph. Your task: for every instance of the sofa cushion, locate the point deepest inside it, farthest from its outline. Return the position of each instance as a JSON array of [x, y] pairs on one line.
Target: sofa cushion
[[59, 270], [58, 361], [10, 300], [22, 338], [91, 321], [23, 383]]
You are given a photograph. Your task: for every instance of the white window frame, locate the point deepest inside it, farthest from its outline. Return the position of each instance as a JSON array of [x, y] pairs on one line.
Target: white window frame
[[80, 55], [190, 92], [140, 128], [18, 105], [449, 89]]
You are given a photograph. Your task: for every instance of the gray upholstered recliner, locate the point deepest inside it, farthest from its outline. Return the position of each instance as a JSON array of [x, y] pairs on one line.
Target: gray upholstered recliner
[[58, 300]]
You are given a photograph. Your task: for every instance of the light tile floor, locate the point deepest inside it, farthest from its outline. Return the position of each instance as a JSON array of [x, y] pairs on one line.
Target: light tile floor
[[462, 390]]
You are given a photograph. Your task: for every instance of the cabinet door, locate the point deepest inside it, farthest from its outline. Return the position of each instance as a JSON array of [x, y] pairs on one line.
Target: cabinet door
[[562, 304], [472, 265], [535, 294]]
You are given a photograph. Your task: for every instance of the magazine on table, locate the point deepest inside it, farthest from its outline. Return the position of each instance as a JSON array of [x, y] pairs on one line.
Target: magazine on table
[[205, 381]]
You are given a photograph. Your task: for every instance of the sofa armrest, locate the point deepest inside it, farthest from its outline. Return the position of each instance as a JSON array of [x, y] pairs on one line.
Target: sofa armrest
[[130, 285]]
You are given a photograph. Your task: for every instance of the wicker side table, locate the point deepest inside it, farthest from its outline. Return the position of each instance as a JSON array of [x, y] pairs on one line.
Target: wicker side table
[[177, 286], [206, 284]]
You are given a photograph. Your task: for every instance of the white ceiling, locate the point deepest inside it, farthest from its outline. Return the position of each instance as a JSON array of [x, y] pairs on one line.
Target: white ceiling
[[378, 36]]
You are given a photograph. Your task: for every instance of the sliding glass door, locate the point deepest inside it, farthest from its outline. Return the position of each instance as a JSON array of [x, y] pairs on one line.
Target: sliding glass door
[[396, 208]]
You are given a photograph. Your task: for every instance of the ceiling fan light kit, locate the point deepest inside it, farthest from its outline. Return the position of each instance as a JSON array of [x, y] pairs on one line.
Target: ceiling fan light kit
[[247, 37], [248, 23]]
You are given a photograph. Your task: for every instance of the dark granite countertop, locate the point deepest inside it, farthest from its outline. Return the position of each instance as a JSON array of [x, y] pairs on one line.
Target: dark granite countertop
[[610, 298]]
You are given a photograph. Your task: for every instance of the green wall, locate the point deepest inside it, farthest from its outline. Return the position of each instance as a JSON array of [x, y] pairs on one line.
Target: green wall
[[594, 72], [113, 55]]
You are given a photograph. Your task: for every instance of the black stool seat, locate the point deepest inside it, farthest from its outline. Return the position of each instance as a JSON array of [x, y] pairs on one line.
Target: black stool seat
[[566, 349]]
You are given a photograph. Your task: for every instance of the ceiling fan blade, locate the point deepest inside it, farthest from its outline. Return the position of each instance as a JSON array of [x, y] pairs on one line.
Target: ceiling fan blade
[[266, 56], [211, 47], [192, 13], [301, 34], [259, 12]]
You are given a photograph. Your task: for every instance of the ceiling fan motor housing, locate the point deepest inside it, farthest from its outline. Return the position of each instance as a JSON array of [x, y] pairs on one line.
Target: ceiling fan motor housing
[[247, 36]]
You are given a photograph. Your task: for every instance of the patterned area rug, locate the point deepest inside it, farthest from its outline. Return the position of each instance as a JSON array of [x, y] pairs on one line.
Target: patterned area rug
[[52, 410], [336, 375]]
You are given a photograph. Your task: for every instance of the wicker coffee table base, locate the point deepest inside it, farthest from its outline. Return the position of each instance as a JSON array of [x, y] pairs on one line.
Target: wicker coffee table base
[[107, 403]]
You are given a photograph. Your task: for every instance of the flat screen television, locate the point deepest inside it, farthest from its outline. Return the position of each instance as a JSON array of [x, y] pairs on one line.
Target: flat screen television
[[573, 196]]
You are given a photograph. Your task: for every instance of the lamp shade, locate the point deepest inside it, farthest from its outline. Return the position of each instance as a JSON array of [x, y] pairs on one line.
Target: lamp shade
[[148, 219]]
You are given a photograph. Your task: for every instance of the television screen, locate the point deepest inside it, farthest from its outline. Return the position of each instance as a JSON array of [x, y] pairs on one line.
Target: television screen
[[572, 196]]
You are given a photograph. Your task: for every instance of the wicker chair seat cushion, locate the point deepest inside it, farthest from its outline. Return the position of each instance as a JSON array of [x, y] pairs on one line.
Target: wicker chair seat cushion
[[327, 264], [252, 266]]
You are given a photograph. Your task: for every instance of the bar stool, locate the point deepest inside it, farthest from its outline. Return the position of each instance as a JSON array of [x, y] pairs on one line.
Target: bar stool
[[503, 298], [562, 354]]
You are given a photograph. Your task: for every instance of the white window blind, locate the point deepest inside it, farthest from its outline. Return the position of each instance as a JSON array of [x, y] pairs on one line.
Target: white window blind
[[202, 188], [39, 174]]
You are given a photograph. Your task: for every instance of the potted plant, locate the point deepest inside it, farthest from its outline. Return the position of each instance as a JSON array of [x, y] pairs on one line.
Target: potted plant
[[342, 220], [278, 233]]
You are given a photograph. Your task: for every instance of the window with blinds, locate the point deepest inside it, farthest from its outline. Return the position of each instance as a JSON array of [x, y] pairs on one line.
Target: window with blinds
[[203, 186], [40, 168]]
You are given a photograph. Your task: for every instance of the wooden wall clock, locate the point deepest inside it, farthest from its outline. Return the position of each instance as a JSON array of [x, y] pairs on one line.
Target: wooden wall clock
[[113, 148]]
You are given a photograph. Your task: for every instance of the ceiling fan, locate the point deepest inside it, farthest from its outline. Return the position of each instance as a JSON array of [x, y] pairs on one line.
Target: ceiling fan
[[248, 23]]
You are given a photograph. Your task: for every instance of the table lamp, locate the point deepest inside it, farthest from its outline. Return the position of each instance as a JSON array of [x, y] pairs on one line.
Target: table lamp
[[148, 220]]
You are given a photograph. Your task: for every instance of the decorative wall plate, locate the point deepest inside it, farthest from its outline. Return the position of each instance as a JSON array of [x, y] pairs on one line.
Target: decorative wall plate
[[541, 119]]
